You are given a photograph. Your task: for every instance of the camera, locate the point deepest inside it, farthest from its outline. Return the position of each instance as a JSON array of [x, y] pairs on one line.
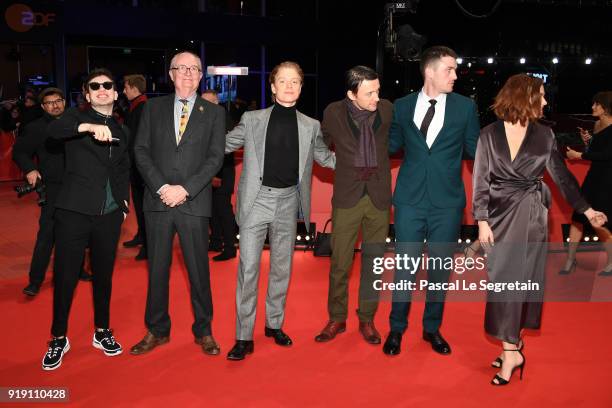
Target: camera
[[40, 189]]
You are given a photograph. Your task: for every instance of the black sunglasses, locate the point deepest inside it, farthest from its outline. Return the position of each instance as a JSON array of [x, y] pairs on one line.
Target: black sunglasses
[[94, 86]]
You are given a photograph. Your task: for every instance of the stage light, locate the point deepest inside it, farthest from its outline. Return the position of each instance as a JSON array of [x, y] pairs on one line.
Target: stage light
[[459, 61], [397, 82], [522, 60], [388, 240], [489, 60], [469, 65], [595, 238], [467, 241], [555, 60], [587, 239], [567, 240], [459, 241], [588, 61], [307, 237], [299, 237], [237, 236]]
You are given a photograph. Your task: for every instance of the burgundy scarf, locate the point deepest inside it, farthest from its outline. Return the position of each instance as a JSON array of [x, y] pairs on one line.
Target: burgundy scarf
[[365, 160]]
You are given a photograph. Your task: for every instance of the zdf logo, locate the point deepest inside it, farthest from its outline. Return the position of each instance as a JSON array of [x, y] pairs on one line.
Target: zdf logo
[[21, 18]]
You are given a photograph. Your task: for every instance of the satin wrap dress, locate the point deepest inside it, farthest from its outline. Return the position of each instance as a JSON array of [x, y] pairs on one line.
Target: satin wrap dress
[[512, 197]]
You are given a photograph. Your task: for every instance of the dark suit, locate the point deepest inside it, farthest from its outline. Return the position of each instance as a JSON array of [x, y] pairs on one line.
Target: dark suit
[[429, 195], [132, 120], [192, 164], [35, 141], [90, 207], [223, 222]]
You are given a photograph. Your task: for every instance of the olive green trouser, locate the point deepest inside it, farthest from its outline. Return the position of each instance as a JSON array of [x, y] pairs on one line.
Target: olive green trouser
[[346, 223]]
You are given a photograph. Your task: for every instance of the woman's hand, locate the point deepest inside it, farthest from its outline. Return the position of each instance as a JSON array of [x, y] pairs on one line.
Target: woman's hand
[[584, 135], [596, 218], [573, 154], [485, 236]]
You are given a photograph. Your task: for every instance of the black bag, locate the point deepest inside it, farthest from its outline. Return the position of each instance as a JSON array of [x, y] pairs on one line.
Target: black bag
[[322, 245]]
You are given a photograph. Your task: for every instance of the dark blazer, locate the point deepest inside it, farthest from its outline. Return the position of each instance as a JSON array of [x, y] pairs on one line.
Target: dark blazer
[[434, 171], [91, 164], [132, 119], [36, 141], [192, 164], [340, 131], [227, 174]]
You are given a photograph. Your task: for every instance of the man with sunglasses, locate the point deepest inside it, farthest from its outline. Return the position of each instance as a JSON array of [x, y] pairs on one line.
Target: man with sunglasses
[[35, 140], [92, 204], [179, 149]]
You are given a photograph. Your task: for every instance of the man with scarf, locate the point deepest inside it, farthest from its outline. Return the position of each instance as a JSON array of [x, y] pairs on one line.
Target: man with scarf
[[134, 87], [358, 128]]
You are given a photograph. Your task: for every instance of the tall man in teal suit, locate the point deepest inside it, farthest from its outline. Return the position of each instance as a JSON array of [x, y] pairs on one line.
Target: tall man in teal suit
[[434, 126]]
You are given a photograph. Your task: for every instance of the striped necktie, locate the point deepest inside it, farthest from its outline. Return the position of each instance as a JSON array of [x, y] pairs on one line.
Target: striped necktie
[[183, 120]]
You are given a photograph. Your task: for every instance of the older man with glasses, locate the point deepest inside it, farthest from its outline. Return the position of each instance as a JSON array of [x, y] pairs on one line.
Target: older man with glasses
[[179, 149]]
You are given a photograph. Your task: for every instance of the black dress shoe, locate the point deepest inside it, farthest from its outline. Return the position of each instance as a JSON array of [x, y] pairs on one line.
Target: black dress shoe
[[240, 350], [280, 337], [85, 276], [393, 343], [142, 254], [133, 242], [31, 290], [224, 256], [438, 344]]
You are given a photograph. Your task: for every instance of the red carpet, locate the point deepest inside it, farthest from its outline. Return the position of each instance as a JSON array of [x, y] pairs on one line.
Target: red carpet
[[567, 361]]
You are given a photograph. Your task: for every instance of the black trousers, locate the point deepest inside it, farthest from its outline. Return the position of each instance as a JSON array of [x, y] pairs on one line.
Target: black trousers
[[137, 186], [192, 231], [73, 233], [222, 222], [44, 239]]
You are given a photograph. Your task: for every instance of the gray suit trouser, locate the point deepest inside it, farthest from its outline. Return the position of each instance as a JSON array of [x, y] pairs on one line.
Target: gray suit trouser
[[275, 212]]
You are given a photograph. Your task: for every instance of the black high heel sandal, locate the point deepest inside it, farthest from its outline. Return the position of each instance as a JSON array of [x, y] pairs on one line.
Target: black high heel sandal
[[497, 363], [521, 367], [571, 269]]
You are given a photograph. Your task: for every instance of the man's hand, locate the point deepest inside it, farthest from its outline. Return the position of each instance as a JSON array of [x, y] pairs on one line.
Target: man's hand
[[101, 133], [216, 182], [173, 196], [33, 177]]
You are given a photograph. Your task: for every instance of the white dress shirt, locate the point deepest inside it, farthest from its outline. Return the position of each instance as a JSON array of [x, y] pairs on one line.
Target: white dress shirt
[[422, 105]]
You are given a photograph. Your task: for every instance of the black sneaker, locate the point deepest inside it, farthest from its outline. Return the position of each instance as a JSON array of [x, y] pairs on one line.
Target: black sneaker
[[105, 341], [31, 290], [55, 353]]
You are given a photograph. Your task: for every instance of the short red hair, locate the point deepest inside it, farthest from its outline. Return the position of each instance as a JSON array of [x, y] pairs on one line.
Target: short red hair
[[519, 100]]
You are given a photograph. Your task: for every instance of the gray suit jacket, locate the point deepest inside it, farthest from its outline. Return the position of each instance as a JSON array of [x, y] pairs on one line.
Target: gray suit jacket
[[251, 133]]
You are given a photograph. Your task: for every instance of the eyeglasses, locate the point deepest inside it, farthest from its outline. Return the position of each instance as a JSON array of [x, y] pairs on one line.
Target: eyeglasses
[[54, 102], [94, 86], [184, 68]]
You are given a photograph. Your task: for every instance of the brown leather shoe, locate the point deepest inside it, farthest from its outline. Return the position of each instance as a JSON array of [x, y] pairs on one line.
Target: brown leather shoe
[[369, 332], [209, 345], [330, 331], [148, 343]]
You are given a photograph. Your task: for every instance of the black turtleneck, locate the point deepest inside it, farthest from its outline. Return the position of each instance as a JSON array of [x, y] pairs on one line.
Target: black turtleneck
[[282, 148]]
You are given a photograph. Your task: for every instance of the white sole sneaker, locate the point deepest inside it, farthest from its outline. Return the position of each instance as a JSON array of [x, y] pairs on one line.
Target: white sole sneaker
[[99, 346], [59, 363]]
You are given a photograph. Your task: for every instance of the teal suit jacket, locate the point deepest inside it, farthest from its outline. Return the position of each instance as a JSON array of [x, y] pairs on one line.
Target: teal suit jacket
[[435, 171]]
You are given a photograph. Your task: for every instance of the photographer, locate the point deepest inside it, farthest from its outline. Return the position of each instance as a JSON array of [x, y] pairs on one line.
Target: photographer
[[45, 178]]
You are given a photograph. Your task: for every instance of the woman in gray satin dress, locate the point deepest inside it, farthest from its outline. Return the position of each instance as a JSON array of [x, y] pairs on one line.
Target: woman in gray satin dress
[[511, 206]]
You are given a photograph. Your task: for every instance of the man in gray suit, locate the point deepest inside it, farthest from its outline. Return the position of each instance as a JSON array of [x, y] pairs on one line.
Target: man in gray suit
[[179, 149], [280, 144]]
